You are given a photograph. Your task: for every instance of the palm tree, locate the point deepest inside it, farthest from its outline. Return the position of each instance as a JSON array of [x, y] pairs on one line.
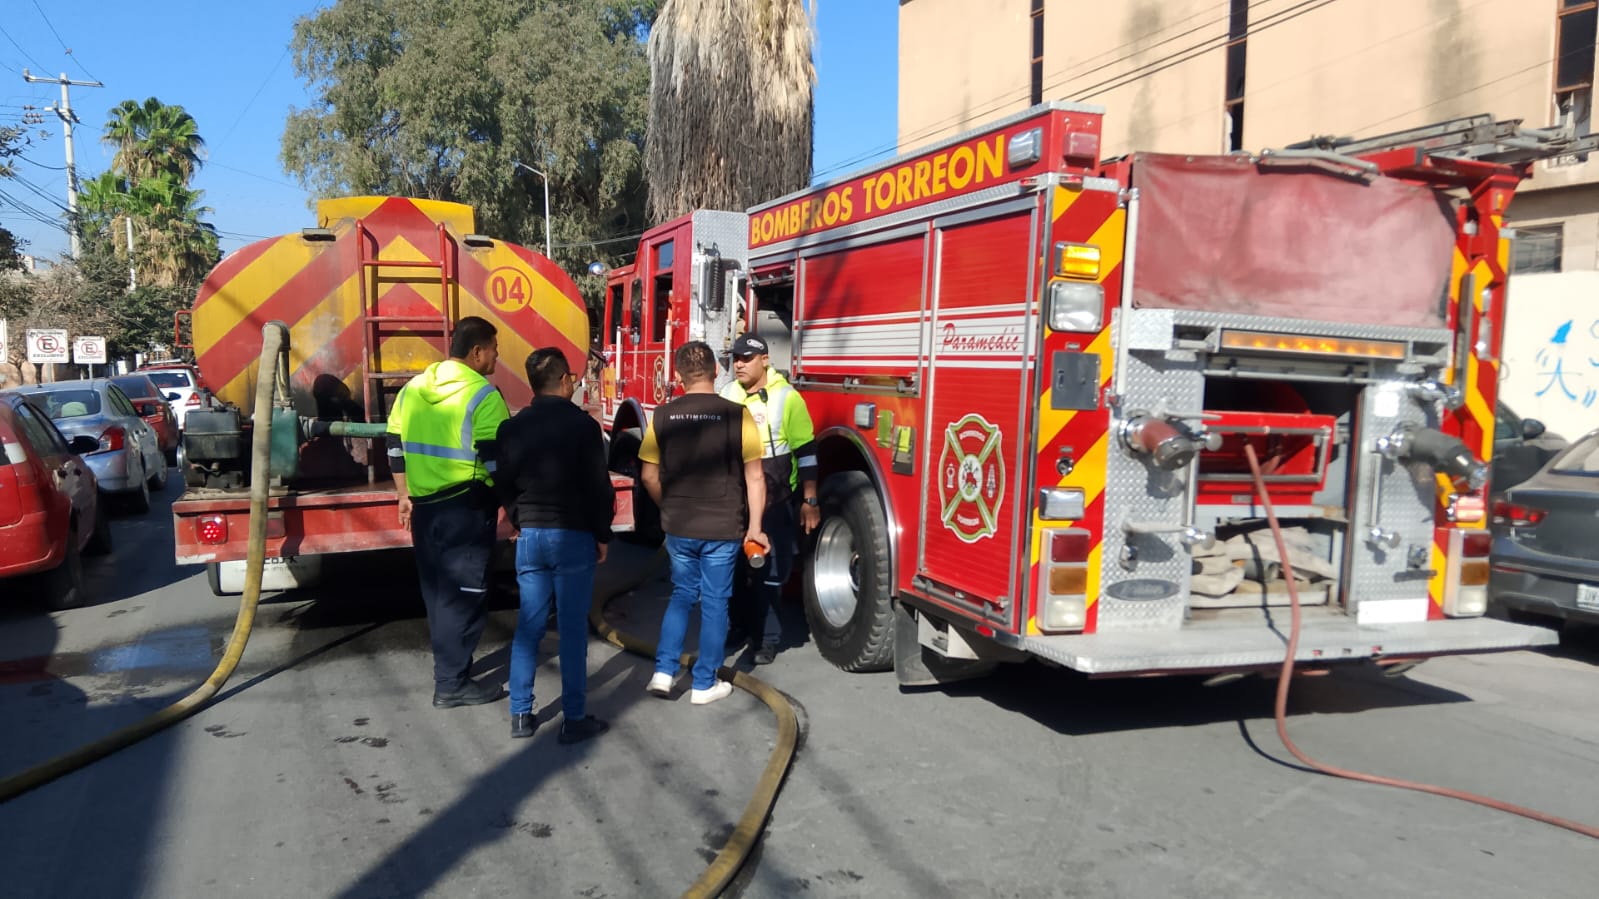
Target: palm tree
[[153, 137], [177, 247], [730, 104]]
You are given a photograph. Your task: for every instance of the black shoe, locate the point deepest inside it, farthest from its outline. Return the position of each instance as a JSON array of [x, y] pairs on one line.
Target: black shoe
[[523, 725], [766, 655], [581, 729], [472, 693]]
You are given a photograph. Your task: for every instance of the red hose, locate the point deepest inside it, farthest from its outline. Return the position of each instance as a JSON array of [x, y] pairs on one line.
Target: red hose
[[1286, 674]]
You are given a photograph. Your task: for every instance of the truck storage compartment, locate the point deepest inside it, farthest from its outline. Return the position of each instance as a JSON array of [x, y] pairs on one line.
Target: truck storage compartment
[[213, 435], [1300, 436]]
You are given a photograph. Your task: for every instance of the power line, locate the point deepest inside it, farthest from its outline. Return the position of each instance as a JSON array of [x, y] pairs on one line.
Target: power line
[[598, 243], [34, 162], [24, 53], [248, 103], [62, 42], [214, 164]]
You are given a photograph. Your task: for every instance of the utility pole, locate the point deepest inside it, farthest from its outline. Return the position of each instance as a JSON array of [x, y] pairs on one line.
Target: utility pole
[[68, 119]]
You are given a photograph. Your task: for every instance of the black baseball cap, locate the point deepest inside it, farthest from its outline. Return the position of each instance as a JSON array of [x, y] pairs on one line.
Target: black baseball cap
[[749, 344]]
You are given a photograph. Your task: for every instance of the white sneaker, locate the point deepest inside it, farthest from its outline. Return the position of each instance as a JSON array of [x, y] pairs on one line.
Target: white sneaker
[[703, 697], [660, 684]]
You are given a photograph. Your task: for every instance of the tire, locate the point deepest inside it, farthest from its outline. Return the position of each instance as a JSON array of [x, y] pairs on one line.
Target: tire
[[63, 587], [100, 539], [848, 593], [171, 457], [646, 515], [139, 500]]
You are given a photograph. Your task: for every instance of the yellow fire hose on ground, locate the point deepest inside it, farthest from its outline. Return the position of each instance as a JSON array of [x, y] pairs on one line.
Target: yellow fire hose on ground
[[270, 376], [747, 832]]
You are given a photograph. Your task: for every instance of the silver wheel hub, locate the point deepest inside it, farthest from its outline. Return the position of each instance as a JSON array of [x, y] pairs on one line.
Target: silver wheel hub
[[836, 573]]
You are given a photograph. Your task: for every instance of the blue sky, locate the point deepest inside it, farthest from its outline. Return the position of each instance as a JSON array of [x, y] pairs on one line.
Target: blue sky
[[228, 64]]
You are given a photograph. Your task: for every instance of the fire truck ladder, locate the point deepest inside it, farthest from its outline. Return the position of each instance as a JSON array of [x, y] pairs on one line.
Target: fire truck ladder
[[1478, 138], [376, 383]]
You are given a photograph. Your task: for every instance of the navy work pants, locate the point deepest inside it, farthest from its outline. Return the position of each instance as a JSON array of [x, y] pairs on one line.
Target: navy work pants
[[454, 541], [756, 591]]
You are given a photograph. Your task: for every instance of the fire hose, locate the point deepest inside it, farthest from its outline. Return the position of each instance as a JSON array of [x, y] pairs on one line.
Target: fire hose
[[1285, 675], [271, 381]]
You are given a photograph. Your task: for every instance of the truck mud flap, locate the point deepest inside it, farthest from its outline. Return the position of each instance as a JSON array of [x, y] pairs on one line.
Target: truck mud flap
[[1205, 648]]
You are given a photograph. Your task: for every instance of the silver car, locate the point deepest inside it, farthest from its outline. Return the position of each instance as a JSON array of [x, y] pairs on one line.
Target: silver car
[[1545, 532], [129, 461]]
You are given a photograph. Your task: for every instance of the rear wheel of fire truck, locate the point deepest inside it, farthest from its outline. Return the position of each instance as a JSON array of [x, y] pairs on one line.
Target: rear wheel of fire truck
[[847, 596], [646, 531]]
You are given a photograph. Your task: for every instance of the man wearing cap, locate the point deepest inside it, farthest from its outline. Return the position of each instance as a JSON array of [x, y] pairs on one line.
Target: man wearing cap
[[788, 460]]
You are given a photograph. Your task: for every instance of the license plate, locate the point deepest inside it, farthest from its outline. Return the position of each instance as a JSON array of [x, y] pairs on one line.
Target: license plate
[[1588, 597]]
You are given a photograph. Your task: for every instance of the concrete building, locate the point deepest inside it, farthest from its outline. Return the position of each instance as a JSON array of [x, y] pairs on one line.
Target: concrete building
[[1217, 75]]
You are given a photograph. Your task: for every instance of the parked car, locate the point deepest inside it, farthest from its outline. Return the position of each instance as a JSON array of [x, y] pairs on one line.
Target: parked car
[[180, 384], [153, 408], [1521, 447], [1545, 532], [128, 457], [50, 509]]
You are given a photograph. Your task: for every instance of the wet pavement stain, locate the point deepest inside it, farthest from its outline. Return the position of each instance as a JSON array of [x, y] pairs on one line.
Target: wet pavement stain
[[387, 795], [354, 787], [218, 730], [361, 722], [536, 830], [178, 651], [374, 742]]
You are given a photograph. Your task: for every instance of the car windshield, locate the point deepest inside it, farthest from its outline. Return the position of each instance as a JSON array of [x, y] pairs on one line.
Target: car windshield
[[169, 379], [1582, 458], [133, 387], [69, 403]]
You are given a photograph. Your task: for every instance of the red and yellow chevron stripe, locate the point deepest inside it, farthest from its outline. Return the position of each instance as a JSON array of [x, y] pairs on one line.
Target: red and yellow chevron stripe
[[1094, 217], [315, 287]]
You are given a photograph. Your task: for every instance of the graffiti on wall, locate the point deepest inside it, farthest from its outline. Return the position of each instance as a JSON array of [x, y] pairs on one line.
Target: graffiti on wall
[[1566, 372]]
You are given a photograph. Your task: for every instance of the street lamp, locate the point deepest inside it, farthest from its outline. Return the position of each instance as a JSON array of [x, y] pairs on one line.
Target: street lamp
[[546, 179]]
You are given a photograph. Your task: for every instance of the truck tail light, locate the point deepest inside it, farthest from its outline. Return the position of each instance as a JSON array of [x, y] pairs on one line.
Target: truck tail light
[[1466, 573], [1076, 306], [112, 440], [1063, 590], [211, 530], [1517, 516]]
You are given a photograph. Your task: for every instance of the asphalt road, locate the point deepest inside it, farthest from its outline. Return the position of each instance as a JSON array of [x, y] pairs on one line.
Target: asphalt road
[[324, 770]]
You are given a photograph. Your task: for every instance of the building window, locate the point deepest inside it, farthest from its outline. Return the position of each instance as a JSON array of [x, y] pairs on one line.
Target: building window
[[1575, 23], [1037, 64], [1536, 250], [1237, 51]]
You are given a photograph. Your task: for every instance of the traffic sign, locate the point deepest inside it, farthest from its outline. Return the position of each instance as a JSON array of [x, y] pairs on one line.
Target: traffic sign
[[48, 345], [89, 351]]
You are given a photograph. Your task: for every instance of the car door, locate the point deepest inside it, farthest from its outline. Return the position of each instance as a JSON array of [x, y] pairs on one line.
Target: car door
[[58, 467]]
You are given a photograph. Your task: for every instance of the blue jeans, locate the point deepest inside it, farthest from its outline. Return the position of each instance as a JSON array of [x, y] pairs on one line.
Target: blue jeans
[[558, 564], [702, 571]]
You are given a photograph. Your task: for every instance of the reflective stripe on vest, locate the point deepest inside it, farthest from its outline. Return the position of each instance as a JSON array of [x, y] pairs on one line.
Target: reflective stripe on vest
[[430, 465]]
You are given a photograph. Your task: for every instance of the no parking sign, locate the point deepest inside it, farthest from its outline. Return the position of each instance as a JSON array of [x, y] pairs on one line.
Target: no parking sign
[[89, 351], [48, 345]]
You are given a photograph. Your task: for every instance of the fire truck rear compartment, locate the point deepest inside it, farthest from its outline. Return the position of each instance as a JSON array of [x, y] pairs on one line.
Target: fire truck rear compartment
[[1300, 434]]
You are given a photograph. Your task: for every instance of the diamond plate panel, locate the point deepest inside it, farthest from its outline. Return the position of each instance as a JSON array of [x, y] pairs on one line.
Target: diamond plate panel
[[1150, 329], [1406, 505], [727, 233], [1136, 491]]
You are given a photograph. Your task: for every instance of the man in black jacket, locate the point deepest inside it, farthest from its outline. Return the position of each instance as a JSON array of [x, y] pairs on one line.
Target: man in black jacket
[[553, 482]]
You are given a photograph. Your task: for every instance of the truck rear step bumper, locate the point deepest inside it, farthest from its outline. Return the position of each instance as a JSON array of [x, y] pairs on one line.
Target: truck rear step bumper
[[1199, 648]]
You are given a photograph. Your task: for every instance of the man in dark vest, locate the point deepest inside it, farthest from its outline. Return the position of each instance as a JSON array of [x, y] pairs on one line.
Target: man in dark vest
[[701, 460]]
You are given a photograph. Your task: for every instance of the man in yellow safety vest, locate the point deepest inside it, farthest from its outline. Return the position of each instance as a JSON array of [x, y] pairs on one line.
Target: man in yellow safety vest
[[788, 459], [441, 450]]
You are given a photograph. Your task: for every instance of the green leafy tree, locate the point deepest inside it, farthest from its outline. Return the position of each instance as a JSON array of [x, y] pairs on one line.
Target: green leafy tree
[[441, 100], [731, 110]]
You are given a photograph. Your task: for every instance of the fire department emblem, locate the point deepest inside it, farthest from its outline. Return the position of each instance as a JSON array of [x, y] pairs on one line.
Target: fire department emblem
[[658, 380], [971, 478]]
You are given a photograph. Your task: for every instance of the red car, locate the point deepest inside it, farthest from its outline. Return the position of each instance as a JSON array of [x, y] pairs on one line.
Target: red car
[[49, 507], [153, 408]]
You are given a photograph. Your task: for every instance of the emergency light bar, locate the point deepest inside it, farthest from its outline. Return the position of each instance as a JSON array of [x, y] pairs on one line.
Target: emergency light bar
[[1300, 344]]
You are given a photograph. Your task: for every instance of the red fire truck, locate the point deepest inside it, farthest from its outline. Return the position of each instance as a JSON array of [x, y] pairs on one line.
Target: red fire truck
[[1033, 376]]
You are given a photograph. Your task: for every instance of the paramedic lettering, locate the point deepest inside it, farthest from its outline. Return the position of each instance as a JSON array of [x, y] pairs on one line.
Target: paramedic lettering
[[947, 173]]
